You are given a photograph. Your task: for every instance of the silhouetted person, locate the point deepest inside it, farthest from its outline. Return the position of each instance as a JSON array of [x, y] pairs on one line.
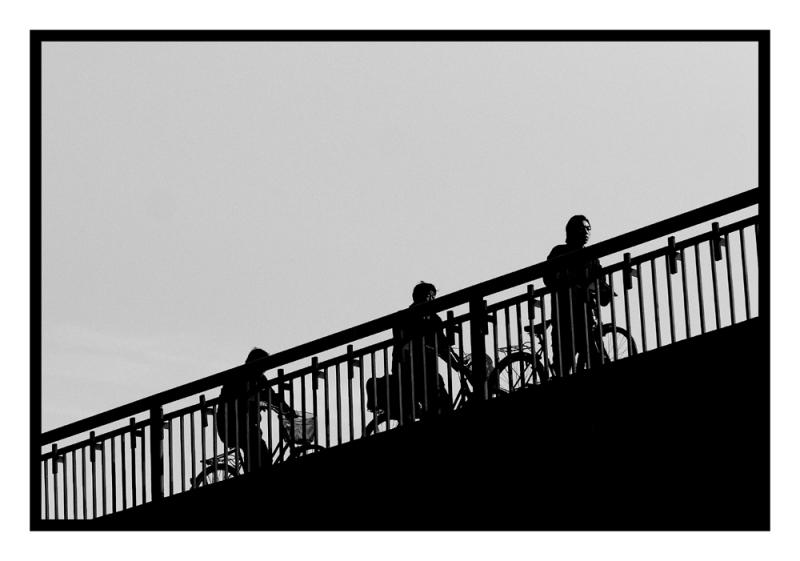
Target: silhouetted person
[[239, 414], [421, 341], [576, 314]]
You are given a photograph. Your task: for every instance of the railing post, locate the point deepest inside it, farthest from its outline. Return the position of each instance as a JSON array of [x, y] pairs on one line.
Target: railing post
[[627, 272], [156, 453], [716, 242], [478, 330], [673, 256]]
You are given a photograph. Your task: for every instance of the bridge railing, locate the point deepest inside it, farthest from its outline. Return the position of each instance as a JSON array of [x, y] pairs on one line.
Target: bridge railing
[[672, 280]]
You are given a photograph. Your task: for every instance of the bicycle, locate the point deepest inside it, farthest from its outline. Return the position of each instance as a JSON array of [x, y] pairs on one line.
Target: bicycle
[[387, 417], [520, 367], [296, 436]]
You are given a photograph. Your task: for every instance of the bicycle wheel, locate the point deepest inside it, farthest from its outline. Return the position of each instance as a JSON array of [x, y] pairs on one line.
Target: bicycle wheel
[[206, 477], [515, 370], [380, 423], [298, 450], [626, 346]]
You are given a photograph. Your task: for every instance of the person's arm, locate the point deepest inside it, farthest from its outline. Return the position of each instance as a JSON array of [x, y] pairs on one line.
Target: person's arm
[[603, 290], [551, 277], [560, 277], [435, 331], [275, 399], [446, 352]]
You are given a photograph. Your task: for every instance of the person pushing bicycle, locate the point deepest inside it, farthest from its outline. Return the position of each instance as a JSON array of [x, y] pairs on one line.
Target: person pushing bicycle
[[239, 414], [421, 342], [576, 317]]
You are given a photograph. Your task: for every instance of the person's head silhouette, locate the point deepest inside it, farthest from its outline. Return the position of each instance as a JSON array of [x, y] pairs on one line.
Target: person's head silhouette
[[578, 231], [256, 354], [423, 292]]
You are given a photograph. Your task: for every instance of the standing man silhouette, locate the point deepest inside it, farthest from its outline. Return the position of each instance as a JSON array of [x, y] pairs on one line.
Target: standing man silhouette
[[574, 301], [421, 342]]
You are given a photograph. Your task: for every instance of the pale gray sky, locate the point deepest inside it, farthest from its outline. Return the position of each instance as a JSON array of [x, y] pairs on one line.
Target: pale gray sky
[[203, 198]]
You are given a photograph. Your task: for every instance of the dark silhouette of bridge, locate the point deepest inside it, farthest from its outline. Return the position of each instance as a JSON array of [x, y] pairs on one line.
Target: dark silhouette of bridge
[[672, 436]]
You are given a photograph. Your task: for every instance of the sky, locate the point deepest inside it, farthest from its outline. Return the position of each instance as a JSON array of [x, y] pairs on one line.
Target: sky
[[200, 199]]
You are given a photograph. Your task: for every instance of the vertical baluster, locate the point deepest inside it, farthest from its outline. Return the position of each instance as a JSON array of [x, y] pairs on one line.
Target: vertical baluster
[[685, 287], [571, 312], [712, 253], [450, 340], [304, 409], [654, 276], [507, 315], [744, 274], [640, 292], [598, 311], [518, 310], [94, 473], [103, 486], [730, 278], [260, 459], [66, 487], [671, 269], [47, 464], [435, 337], [84, 488], [338, 405], [424, 375], [144, 465], [281, 420], [314, 388], [531, 317], [56, 460], [559, 360], [374, 389], [269, 424], [113, 475], [626, 300], [495, 342], [412, 382], [236, 444], [183, 452], [386, 374], [285, 421], [124, 469], [460, 333], [545, 342], [585, 311], [171, 457], [132, 424], [292, 404], [203, 426], [350, 374], [269, 391], [55, 480], [248, 437], [700, 288], [192, 454], [614, 317], [327, 411], [74, 486], [156, 453]]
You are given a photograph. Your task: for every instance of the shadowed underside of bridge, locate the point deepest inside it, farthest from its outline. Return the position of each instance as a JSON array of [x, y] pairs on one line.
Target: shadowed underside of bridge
[[677, 438]]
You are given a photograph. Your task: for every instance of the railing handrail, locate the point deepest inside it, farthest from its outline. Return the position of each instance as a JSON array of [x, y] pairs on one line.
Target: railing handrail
[[384, 323]]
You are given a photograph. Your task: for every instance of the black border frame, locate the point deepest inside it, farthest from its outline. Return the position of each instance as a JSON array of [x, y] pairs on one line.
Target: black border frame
[[38, 37]]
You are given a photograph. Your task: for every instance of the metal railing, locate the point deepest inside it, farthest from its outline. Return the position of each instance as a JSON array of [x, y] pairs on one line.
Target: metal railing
[[331, 392]]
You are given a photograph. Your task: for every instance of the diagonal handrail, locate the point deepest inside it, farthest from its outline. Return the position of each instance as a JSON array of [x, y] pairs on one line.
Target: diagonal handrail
[[384, 323]]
